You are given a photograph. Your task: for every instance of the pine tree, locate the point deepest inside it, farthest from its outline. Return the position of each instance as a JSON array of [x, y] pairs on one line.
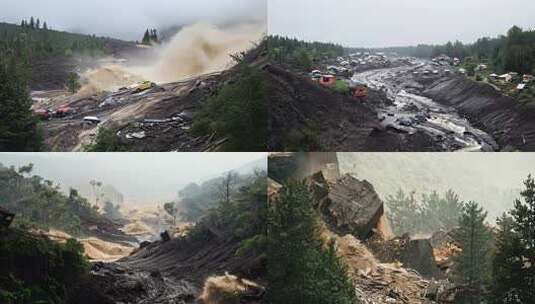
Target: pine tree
[[18, 127], [146, 38], [301, 270], [32, 23], [45, 26], [523, 215], [404, 212], [154, 36], [38, 24], [507, 263], [472, 265], [441, 212]]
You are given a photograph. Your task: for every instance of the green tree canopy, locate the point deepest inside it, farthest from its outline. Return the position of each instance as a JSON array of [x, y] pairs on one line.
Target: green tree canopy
[[300, 267], [18, 127], [473, 264]]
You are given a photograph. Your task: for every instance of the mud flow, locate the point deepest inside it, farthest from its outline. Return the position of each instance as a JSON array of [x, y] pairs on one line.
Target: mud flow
[[409, 111]]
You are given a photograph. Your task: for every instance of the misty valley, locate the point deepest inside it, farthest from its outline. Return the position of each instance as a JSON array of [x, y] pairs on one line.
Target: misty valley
[[61, 246]]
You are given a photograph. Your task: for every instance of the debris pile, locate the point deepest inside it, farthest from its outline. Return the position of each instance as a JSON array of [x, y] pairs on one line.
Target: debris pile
[[392, 284], [378, 282], [444, 248], [384, 269], [229, 289], [174, 270], [415, 253]]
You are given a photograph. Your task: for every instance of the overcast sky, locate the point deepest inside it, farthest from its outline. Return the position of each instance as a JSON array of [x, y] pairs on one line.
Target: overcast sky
[[128, 19], [493, 180], [141, 177], [378, 23]]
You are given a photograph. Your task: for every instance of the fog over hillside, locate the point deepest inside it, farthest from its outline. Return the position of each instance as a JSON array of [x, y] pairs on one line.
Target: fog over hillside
[[128, 19], [142, 178], [380, 23], [492, 179]]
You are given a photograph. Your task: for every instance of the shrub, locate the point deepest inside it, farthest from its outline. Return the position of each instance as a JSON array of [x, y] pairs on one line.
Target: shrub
[[107, 141], [238, 111]]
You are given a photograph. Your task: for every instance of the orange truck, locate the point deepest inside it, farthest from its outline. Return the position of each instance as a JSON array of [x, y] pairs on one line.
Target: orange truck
[[360, 91], [327, 80], [42, 114]]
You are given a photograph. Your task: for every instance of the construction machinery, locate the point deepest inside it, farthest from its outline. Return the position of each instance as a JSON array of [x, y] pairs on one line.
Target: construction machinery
[[359, 91], [42, 114]]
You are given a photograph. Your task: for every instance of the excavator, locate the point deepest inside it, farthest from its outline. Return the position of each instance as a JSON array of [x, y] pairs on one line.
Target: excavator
[[359, 91]]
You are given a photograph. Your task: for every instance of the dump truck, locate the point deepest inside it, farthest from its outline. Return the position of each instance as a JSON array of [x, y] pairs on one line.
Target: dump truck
[[327, 80], [42, 114], [64, 111]]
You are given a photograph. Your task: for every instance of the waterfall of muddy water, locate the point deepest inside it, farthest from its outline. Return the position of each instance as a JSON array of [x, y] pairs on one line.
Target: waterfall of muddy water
[[197, 49]]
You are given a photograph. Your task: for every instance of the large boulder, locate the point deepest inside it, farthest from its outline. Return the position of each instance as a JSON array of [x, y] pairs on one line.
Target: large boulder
[[413, 253], [347, 206], [419, 255]]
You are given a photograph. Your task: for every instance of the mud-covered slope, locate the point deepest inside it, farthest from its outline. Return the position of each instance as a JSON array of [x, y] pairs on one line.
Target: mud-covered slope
[[511, 124], [171, 271], [305, 116], [152, 120]]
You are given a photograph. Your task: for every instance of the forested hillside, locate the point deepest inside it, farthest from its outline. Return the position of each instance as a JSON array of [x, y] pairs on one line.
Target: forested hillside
[[514, 51], [196, 199], [39, 203], [301, 54], [33, 43], [49, 55]]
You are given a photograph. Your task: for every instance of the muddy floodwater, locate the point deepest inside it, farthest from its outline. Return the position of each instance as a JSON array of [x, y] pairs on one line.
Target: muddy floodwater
[[408, 111]]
